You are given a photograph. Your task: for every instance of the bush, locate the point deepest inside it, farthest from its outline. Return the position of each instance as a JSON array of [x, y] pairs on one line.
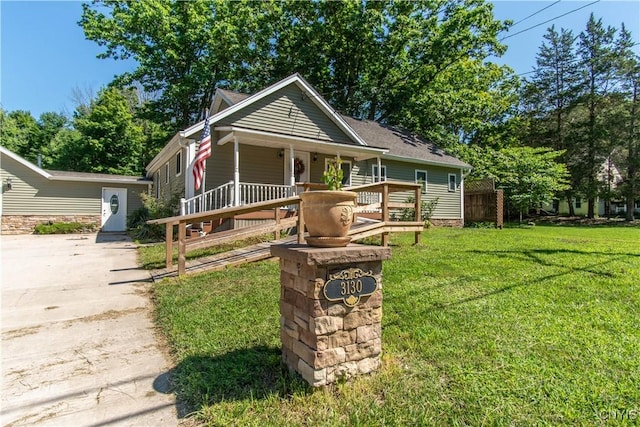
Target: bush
[[64, 228], [152, 208], [426, 210]]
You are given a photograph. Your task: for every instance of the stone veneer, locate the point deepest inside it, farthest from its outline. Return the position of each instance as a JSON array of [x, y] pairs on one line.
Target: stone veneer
[[325, 341], [26, 224], [447, 222]]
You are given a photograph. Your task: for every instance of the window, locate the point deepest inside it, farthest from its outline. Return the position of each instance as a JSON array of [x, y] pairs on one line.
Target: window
[[453, 182], [179, 163], [578, 203], [156, 182], [374, 172], [346, 171], [421, 178], [166, 173]]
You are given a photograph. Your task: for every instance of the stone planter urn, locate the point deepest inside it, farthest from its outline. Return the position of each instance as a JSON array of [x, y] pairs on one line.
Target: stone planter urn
[[328, 216]]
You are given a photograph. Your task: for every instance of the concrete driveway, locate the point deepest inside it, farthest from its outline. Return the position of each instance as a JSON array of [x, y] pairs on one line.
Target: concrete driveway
[[78, 343]]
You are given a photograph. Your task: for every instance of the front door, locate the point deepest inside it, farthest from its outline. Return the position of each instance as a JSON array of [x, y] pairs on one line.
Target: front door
[[114, 209], [301, 167]]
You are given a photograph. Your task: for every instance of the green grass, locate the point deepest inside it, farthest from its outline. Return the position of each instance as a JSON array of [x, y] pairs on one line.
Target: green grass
[[518, 326]]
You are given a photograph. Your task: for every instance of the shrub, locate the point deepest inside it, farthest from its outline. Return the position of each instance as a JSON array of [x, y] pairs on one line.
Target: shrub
[[152, 208], [426, 210], [64, 228]]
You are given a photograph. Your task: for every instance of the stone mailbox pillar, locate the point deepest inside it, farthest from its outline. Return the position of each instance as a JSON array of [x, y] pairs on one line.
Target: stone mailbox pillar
[[331, 310]]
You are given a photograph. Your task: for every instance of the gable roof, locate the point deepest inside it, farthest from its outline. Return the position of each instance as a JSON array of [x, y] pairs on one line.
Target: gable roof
[[54, 175], [402, 145], [296, 79]]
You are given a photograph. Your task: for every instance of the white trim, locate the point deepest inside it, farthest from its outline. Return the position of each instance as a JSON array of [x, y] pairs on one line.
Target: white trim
[[462, 196], [293, 79], [181, 163], [377, 177], [455, 188], [425, 187], [326, 164], [69, 178], [25, 162], [314, 144], [422, 162]]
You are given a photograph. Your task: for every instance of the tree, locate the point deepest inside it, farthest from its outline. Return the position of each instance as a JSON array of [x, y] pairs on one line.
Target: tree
[[111, 141], [550, 96], [529, 176], [386, 60], [597, 54], [630, 75]]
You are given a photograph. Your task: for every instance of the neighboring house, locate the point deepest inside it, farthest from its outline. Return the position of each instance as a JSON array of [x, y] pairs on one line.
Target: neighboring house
[[610, 178], [31, 196], [272, 142]]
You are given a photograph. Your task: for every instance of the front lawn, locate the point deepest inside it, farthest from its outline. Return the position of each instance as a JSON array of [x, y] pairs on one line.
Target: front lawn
[[481, 327]]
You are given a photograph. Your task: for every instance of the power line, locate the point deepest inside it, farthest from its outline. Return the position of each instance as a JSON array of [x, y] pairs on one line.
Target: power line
[[549, 20], [535, 13], [576, 61]]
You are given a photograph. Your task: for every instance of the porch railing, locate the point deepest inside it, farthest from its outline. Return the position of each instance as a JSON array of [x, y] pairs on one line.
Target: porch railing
[[217, 198], [255, 193], [223, 196]]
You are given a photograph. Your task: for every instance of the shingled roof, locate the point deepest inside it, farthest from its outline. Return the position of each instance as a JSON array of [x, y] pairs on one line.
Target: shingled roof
[[399, 142]]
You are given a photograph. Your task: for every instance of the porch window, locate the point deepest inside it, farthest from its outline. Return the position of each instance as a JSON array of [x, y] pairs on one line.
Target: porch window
[[346, 171], [179, 163], [156, 182], [374, 172], [166, 173], [421, 178], [453, 182]]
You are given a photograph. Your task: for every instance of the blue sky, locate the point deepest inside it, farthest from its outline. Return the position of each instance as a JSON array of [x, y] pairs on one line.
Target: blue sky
[[44, 55]]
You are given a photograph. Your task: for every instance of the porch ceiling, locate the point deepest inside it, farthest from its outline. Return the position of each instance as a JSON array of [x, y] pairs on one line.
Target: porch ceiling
[[267, 139]]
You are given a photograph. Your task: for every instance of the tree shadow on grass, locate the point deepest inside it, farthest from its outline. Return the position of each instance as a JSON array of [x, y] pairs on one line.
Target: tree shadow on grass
[[251, 373], [534, 256]]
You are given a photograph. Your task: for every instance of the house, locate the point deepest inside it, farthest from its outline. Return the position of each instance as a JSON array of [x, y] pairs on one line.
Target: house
[[610, 178], [270, 144], [31, 196]]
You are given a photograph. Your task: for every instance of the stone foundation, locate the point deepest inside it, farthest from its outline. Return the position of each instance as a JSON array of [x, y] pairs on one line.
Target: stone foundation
[[25, 224], [447, 222], [326, 341]]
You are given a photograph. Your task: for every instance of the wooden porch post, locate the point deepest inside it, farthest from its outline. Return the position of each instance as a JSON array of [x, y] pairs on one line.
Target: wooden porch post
[[168, 235], [292, 176], [276, 234], [300, 224], [385, 212], [182, 246], [418, 216]]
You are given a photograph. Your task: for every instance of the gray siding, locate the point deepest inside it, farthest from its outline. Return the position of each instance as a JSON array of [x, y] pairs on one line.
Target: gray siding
[[33, 194], [175, 185], [449, 205], [288, 112]]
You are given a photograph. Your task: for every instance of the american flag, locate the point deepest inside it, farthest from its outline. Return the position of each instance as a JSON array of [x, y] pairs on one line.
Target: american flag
[[204, 152]]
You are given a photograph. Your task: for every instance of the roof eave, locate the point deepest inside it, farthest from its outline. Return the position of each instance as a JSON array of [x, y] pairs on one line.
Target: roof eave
[[388, 156]]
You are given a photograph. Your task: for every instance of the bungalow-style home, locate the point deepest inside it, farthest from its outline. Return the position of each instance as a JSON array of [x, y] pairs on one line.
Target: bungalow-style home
[[31, 196], [270, 144]]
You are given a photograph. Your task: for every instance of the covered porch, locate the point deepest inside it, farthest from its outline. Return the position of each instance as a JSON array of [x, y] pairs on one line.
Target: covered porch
[[250, 166]]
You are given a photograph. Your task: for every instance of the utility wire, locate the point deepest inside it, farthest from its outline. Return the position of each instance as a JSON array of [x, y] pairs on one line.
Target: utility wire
[[570, 62], [535, 13], [549, 20]]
